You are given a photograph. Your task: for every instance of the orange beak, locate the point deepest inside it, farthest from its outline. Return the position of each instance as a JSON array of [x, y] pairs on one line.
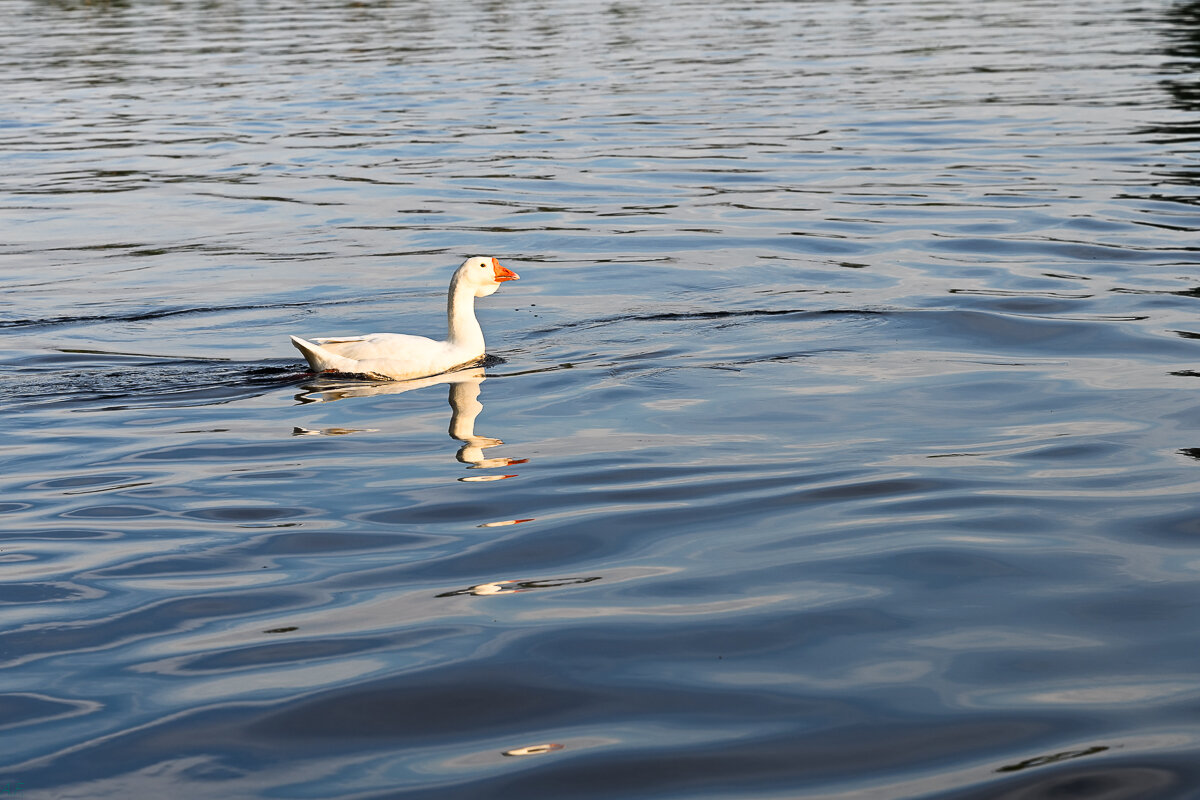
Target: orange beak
[[503, 273]]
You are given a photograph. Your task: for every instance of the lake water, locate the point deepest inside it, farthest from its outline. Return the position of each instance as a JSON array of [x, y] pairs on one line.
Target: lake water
[[841, 438]]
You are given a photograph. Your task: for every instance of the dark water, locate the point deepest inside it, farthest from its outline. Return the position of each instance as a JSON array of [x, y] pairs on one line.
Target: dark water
[[849, 400]]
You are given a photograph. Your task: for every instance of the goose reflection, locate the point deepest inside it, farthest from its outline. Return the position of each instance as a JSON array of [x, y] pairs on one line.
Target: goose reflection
[[464, 409]]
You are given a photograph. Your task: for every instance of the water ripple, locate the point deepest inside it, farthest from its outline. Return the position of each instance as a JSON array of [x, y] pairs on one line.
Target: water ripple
[[839, 440]]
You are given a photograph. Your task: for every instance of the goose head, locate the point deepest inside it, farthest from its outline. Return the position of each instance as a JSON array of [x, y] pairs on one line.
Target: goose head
[[484, 275]]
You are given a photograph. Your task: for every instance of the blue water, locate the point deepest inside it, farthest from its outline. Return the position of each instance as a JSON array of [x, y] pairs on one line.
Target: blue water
[[841, 438]]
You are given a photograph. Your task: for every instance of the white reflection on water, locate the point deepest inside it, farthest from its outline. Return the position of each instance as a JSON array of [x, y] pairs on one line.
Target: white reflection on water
[[1096, 693], [262, 681]]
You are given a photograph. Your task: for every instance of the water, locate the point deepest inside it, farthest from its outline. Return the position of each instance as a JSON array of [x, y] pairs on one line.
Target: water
[[840, 439]]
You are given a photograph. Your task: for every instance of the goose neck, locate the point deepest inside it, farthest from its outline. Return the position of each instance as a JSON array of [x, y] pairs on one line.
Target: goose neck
[[464, 330]]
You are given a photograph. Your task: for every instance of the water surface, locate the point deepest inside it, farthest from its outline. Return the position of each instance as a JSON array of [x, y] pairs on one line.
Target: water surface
[[840, 439]]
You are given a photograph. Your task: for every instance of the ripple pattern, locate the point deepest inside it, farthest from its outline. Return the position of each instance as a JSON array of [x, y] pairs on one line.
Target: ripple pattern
[[839, 441]]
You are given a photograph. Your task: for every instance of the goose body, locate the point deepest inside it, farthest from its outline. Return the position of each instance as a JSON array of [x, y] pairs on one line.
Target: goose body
[[398, 356]]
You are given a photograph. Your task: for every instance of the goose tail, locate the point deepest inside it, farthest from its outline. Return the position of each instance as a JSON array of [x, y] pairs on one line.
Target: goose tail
[[321, 360]]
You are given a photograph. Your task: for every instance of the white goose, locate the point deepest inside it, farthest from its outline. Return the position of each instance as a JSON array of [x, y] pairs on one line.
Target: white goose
[[398, 356]]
